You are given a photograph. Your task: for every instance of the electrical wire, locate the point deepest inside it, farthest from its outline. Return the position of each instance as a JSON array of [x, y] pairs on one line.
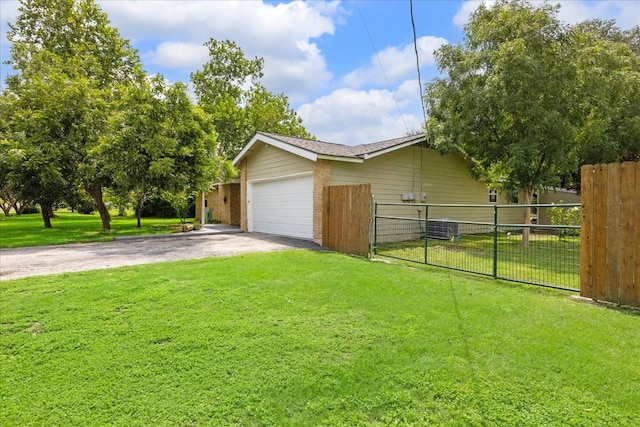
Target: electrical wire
[[424, 111], [375, 52], [415, 48]]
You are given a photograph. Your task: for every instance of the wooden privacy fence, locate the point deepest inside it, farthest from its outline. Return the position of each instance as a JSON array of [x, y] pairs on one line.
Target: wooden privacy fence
[[610, 233], [346, 218]]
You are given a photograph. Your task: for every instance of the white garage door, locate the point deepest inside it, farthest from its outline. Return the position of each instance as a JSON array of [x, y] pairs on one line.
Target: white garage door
[[282, 206]]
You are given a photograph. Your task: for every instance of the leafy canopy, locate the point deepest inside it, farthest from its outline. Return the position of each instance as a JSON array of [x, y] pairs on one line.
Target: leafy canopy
[[71, 67], [506, 97], [529, 99], [228, 88]]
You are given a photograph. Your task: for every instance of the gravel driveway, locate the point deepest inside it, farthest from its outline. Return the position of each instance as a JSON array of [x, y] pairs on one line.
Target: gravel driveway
[[42, 260]]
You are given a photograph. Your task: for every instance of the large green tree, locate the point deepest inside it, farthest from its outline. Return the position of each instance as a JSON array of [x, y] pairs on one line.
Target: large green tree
[[161, 145], [71, 68], [52, 112], [519, 96], [607, 63], [228, 88]]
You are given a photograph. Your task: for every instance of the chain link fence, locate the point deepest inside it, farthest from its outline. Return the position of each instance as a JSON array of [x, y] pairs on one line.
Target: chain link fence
[[492, 240]]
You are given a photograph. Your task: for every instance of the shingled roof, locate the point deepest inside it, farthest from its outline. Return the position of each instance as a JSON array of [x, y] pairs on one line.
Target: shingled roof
[[313, 149]]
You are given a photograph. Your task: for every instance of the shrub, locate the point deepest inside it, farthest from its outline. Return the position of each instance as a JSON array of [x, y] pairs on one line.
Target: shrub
[[30, 209], [565, 216], [159, 208]]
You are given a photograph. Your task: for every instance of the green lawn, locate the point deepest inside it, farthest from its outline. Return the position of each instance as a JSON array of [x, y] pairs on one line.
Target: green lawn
[[548, 260], [305, 338], [28, 230]]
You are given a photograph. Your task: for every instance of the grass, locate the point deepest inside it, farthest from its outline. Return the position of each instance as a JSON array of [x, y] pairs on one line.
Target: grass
[[28, 230], [549, 259], [304, 338]]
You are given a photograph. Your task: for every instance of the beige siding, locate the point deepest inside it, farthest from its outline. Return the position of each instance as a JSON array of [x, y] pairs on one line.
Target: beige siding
[[444, 179], [554, 196], [270, 162]]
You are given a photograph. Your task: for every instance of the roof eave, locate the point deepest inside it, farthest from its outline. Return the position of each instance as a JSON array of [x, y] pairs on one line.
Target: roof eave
[[341, 158], [259, 137], [391, 149]]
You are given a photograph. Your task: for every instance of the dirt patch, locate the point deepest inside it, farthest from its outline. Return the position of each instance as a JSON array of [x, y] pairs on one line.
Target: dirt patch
[[34, 328]]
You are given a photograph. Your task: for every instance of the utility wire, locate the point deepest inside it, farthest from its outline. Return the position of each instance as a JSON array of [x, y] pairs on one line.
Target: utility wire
[[375, 52], [415, 48], [424, 110]]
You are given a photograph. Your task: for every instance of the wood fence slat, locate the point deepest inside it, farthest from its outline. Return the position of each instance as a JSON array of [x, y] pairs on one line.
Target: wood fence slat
[[628, 224], [613, 240], [610, 233], [346, 217], [600, 232], [586, 231]]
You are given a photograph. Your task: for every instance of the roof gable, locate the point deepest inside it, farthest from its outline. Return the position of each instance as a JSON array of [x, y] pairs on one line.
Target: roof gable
[[314, 150]]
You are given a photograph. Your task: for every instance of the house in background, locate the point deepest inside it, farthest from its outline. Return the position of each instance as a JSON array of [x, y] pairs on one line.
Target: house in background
[[282, 179], [220, 205]]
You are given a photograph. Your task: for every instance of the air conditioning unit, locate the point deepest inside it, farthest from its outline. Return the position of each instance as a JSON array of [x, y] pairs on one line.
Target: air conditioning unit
[[442, 229]]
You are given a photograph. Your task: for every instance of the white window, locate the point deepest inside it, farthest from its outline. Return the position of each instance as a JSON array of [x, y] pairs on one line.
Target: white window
[[493, 195]]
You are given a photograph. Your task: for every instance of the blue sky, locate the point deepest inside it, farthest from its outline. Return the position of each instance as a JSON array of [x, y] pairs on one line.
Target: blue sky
[[348, 67]]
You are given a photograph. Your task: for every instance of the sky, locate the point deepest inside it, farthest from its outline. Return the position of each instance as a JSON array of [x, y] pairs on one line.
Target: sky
[[347, 67]]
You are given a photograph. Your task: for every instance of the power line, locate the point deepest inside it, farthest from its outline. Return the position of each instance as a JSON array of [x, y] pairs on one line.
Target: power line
[[415, 48], [424, 111], [375, 52]]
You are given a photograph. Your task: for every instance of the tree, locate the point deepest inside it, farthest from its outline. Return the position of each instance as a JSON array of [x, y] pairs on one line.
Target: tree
[[48, 106], [608, 30], [506, 98], [527, 98], [228, 88], [271, 113], [162, 145], [607, 62], [71, 43]]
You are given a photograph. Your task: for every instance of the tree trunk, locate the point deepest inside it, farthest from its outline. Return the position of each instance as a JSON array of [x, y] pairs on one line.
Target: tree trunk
[[528, 195], [50, 212], [138, 214], [46, 217], [95, 190], [140, 205]]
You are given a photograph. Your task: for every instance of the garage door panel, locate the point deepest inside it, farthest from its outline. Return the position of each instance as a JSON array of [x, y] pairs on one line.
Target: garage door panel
[[284, 207]]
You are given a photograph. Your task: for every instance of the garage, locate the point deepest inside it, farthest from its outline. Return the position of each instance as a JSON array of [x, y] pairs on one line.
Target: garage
[[282, 206]]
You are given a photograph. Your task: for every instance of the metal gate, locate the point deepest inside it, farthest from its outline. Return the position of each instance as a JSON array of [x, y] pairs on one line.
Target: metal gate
[[484, 239]]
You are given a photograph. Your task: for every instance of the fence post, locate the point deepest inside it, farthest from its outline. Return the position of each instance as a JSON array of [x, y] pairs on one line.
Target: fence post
[[371, 227], [426, 232], [375, 228], [495, 241]]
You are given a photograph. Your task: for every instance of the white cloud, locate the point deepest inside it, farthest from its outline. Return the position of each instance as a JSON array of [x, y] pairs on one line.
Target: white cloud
[[300, 78], [394, 64], [282, 34], [178, 55], [463, 14], [626, 13], [8, 13], [351, 117]]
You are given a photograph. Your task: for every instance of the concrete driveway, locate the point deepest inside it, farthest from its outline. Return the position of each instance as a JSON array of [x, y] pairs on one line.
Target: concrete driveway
[[42, 260]]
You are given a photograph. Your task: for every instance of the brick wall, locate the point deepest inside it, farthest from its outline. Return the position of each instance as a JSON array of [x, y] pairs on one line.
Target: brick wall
[[321, 177], [243, 194]]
